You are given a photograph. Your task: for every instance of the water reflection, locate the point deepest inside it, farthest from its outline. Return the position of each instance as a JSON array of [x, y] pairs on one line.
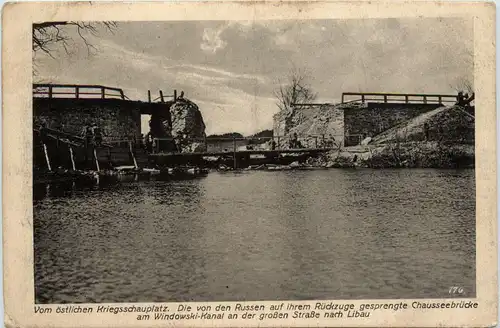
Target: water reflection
[[258, 235]]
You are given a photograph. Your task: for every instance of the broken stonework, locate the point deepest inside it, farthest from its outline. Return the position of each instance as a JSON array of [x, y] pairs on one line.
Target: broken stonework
[[187, 122], [315, 125]]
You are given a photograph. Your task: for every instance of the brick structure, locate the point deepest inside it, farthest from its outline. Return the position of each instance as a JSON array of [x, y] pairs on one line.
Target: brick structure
[[310, 122], [118, 119], [349, 122], [373, 118]]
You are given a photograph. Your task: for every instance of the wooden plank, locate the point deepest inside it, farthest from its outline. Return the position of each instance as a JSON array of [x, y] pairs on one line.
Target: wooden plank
[[247, 152]]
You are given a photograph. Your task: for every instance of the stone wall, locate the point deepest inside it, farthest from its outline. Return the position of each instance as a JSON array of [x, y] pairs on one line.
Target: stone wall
[[311, 123], [375, 118], [118, 119], [452, 124]]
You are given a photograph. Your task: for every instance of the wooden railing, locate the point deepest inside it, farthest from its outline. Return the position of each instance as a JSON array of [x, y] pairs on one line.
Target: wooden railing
[[162, 97], [77, 91], [407, 98]]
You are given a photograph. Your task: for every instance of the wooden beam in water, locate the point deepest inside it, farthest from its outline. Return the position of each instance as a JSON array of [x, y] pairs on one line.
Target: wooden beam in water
[[96, 161], [133, 156], [47, 157], [72, 158]]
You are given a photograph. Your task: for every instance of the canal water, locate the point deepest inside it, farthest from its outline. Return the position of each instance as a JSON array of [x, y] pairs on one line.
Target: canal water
[[329, 234]]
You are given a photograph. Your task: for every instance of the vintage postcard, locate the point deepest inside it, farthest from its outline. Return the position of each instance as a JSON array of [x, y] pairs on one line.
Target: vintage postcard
[[244, 164]]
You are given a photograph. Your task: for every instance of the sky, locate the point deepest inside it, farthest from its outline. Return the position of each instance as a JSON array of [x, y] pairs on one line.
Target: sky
[[231, 69]]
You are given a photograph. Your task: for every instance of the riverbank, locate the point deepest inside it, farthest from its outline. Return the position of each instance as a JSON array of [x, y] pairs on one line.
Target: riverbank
[[405, 155], [390, 155]]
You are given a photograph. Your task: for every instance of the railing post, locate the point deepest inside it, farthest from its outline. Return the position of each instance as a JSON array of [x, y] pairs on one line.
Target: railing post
[[50, 91], [385, 99], [77, 92], [425, 99], [161, 97], [149, 95], [406, 99], [342, 98], [103, 93], [122, 94], [175, 95], [439, 100], [362, 98]]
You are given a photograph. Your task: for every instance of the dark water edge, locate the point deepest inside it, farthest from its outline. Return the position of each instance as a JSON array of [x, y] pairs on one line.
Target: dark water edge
[[329, 234]]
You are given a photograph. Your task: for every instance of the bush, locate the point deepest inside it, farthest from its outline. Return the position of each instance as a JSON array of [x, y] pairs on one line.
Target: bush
[[423, 155]]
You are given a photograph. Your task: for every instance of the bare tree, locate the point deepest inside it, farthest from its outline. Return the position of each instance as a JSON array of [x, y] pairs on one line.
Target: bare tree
[[296, 91], [463, 85], [47, 34]]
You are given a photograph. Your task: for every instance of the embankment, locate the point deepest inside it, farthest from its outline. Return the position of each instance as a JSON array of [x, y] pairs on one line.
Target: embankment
[[439, 138], [417, 154]]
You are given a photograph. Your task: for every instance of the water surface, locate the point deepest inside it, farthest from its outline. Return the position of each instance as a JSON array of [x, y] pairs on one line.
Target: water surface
[[333, 234]]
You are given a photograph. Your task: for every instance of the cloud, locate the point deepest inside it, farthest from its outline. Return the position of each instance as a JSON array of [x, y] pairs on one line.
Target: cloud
[[224, 74], [211, 40], [212, 36], [233, 67]]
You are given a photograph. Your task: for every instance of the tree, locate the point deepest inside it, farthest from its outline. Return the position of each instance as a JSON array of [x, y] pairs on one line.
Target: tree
[[295, 91], [47, 34], [464, 85], [226, 135]]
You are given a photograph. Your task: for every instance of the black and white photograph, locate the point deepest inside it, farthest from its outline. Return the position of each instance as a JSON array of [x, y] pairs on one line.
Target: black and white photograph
[[253, 160], [243, 164]]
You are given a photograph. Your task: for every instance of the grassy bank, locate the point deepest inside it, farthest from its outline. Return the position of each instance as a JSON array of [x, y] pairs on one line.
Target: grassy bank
[[407, 154]]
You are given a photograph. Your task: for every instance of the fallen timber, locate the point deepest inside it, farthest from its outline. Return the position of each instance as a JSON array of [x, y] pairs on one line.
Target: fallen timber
[[63, 156], [268, 152], [236, 159]]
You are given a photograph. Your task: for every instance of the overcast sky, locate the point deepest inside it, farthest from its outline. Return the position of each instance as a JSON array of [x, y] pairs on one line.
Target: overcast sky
[[230, 69]]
